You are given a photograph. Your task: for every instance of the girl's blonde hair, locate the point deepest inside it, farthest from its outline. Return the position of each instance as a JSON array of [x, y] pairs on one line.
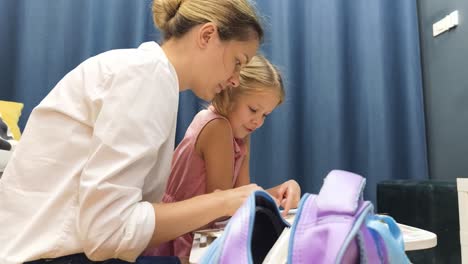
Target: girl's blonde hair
[[235, 19], [259, 75]]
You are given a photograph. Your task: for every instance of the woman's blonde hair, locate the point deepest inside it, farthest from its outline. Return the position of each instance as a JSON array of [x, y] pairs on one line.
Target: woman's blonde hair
[[259, 75], [235, 19]]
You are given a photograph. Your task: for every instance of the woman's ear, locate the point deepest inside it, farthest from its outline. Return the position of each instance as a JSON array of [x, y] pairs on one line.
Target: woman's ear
[[208, 33]]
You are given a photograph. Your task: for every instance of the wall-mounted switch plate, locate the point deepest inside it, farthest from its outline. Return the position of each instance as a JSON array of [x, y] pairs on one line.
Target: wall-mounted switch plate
[[445, 23]]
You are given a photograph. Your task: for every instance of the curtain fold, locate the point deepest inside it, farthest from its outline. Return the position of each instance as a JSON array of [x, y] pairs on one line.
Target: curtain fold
[[354, 93]]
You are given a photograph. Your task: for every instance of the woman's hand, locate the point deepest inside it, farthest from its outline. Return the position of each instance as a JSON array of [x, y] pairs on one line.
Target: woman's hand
[[234, 198], [287, 195], [196, 212]]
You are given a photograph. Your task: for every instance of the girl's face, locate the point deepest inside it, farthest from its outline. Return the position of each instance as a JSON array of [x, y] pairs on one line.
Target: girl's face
[[250, 110], [220, 63]]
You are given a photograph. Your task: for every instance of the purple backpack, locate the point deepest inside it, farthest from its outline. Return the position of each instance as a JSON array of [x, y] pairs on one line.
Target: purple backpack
[[338, 226], [335, 226]]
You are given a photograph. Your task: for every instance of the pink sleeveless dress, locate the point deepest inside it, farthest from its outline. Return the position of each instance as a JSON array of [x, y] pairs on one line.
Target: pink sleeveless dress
[[188, 178]]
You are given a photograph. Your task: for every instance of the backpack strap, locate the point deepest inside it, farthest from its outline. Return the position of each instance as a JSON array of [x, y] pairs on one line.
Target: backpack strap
[[370, 250], [389, 238]]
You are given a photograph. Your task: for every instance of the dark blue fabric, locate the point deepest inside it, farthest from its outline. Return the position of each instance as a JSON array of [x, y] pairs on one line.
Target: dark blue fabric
[[43, 40], [352, 70], [354, 93], [82, 259]]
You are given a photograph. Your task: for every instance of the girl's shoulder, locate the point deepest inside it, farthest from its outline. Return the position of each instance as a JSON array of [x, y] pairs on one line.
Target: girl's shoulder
[[207, 116], [206, 121], [212, 128], [217, 127]]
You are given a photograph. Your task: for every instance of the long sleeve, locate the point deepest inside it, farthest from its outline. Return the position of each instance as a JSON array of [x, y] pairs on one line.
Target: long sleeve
[[95, 153], [134, 120]]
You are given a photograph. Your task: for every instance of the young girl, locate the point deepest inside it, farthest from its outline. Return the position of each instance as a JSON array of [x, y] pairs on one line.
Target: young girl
[[92, 192], [214, 154]]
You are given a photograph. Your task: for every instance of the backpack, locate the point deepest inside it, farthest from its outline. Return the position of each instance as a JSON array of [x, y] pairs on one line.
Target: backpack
[[335, 226], [338, 226]]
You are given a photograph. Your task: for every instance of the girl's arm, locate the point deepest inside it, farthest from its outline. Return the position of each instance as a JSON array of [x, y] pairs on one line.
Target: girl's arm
[[286, 194], [214, 144], [244, 176]]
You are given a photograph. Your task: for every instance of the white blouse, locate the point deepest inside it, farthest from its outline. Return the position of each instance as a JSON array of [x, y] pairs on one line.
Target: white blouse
[[94, 154]]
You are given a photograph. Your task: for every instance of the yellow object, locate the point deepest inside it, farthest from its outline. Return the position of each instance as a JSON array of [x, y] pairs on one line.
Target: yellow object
[[11, 112]]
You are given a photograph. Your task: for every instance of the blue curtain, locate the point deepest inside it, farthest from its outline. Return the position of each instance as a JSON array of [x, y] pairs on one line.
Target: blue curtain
[[354, 93], [352, 70], [42, 40]]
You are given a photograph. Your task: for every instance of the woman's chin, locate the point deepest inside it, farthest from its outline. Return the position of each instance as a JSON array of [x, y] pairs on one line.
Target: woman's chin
[[206, 96]]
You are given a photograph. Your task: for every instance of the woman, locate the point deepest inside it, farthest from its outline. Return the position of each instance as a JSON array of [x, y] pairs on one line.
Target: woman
[[95, 155]]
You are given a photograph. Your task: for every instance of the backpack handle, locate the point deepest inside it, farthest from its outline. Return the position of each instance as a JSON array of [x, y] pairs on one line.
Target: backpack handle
[[350, 186]]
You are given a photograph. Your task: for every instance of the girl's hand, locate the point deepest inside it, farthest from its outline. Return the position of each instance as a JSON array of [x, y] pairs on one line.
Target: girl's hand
[[287, 195]]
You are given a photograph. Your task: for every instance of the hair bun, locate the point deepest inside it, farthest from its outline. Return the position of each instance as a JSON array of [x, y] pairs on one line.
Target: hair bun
[[164, 11]]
